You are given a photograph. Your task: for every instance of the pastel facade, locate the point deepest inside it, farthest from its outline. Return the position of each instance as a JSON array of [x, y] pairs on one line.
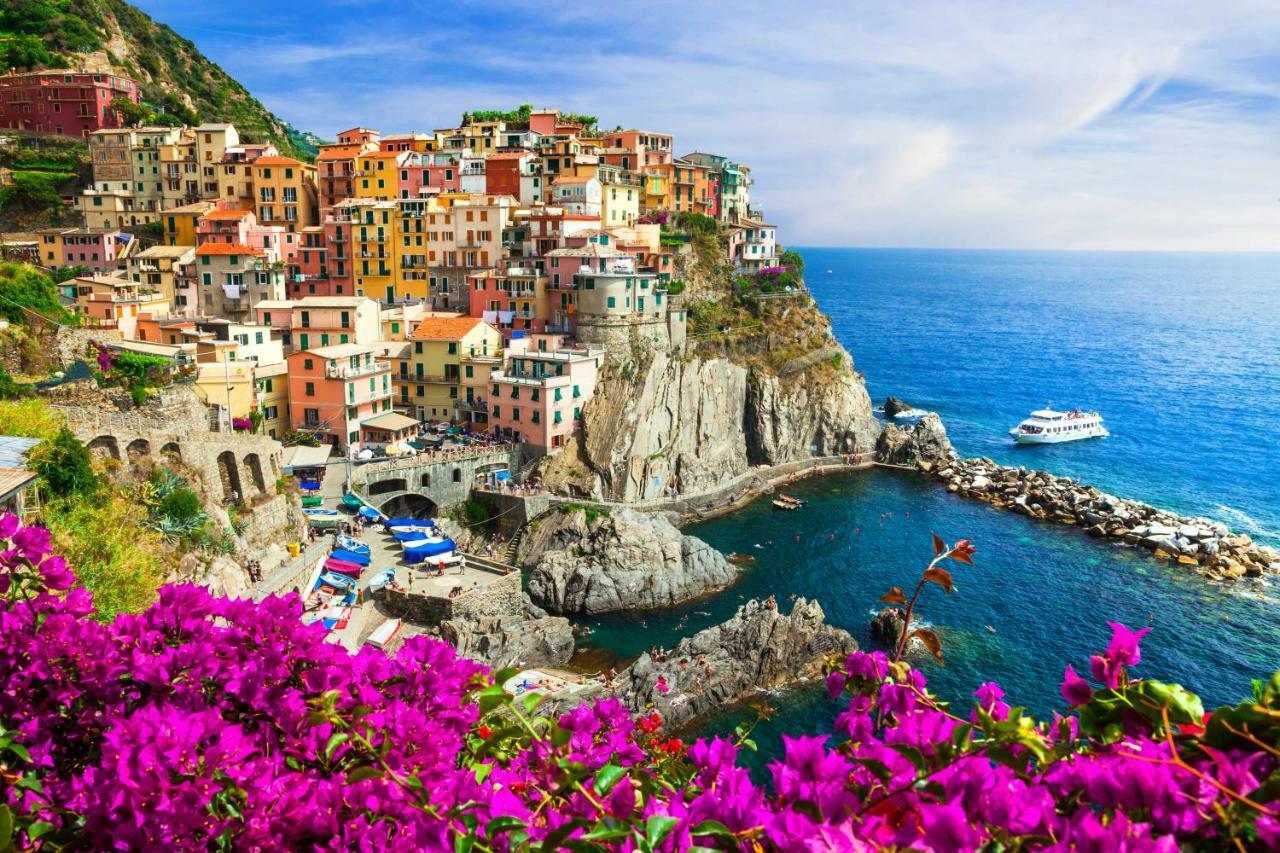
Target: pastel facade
[[513, 299], [322, 321], [233, 277], [440, 344], [116, 302], [284, 192], [538, 395], [169, 270], [98, 249], [333, 390]]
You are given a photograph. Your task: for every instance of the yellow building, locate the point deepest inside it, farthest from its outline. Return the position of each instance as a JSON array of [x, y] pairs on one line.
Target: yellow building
[[179, 171], [272, 382], [439, 346], [161, 268], [229, 385], [657, 188], [373, 226], [284, 192], [377, 174], [620, 194], [180, 222]]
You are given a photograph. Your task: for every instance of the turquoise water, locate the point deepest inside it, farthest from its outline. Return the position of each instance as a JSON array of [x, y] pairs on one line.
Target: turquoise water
[[1181, 355]]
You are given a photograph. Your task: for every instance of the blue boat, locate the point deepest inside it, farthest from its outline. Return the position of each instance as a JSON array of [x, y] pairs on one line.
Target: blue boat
[[350, 556], [410, 522], [355, 546], [411, 536], [369, 513], [336, 581], [427, 550], [382, 578], [309, 485]]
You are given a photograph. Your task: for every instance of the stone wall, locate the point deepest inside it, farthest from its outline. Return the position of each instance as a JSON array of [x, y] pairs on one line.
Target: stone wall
[[444, 480], [500, 596], [295, 573], [71, 343]]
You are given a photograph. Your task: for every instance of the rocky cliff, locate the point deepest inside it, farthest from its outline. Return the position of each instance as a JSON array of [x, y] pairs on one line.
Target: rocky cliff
[[759, 648], [588, 561], [502, 641]]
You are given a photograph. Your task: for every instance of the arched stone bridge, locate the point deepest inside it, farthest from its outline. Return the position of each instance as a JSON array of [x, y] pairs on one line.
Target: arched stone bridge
[[423, 484]]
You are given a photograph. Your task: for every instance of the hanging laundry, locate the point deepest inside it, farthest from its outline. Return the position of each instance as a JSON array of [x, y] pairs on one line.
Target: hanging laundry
[[489, 316], [231, 290], [504, 317]]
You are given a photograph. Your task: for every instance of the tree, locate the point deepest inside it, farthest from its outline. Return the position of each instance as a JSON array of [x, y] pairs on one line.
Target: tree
[[795, 260], [64, 466], [133, 114]]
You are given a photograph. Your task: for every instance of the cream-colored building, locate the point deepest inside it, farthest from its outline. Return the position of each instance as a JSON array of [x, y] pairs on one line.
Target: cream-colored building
[[168, 269]]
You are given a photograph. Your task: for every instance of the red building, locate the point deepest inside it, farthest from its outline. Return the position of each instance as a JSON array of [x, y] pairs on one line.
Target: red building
[[502, 172], [73, 103]]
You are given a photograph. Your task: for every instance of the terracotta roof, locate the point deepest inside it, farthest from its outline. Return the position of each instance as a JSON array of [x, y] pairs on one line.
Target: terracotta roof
[[339, 152], [226, 249], [383, 155], [194, 207], [570, 179], [276, 161], [226, 215], [509, 155], [444, 328]]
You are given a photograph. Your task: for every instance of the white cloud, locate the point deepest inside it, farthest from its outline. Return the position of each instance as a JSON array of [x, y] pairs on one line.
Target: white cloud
[[926, 123]]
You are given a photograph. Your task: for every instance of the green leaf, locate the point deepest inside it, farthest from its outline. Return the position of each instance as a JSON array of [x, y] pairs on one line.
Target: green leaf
[[499, 825], [530, 702], [607, 777], [20, 751], [38, 829], [362, 773], [336, 740], [606, 833], [711, 827], [657, 828], [6, 827]]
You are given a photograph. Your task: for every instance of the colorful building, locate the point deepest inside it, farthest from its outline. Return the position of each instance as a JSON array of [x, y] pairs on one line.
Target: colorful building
[[538, 395], [72, 103], [233, 277], [98, 249], [168, 270], [116, 302], [439, 346], [322, 321], [334, 389], [284, 192], [514, 299]]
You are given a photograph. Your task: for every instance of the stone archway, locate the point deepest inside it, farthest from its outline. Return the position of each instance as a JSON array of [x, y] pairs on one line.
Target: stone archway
[[254, 465], [229, 473], [383, 487], [414, 506], [137, 449], [173, 451], [105, 446]]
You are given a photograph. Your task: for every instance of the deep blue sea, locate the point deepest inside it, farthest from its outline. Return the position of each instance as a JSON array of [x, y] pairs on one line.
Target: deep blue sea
[[1181, 355]]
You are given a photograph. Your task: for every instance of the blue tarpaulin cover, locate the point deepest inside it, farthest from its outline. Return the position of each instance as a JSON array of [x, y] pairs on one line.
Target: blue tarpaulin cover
[[410, 522], [309, 485], [369, 512], [427, 550], [410, 536], [350, 556], [502, 475]]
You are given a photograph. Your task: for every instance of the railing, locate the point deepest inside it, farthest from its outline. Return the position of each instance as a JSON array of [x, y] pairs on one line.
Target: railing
[[346, 371]]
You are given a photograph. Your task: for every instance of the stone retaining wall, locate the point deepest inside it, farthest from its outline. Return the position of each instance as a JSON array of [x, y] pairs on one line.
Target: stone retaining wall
[[499, 597]]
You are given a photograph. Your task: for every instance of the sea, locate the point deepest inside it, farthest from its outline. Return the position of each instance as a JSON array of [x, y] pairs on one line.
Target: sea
[[1180, 353]]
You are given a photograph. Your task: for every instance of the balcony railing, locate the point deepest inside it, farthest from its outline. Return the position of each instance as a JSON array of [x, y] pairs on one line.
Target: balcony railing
[[346, 371]]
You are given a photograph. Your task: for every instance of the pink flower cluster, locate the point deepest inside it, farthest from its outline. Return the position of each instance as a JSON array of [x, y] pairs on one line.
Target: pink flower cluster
[[208, 722]]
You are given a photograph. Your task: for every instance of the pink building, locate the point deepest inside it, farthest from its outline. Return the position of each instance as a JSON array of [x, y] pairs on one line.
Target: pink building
[[98, 249], [334, 390], [73, 103], [240, 227], [513, 299], [538, 395]]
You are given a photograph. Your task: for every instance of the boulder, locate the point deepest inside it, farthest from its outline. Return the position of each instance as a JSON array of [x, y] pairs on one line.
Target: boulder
[[886, 626], [759, 648], [502, 641], [595, 562], [927, 440], [894, 407]]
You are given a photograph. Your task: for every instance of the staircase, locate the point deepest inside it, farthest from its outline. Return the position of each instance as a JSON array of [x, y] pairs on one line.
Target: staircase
[[512, 548]]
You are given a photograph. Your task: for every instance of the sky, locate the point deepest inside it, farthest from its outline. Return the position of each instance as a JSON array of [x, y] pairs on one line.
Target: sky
[[1037, 125]]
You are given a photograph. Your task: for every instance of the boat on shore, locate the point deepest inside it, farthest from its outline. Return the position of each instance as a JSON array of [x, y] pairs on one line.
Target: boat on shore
[[788, 502], [1047, 426]]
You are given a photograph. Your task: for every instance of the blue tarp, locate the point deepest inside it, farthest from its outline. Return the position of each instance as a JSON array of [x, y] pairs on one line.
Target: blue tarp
[[411, 536], [427, 550], [410, 522], [502, 475], [370, 513], [350, 556], [309, 485]]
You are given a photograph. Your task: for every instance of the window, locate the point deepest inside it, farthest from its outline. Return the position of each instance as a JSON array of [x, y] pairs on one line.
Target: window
[[613, 303], [537, 416], [556, 419], [306, 362], [576, 392], [304, 339], [515, 413], [497, 411], [453, 347], [310, 389]]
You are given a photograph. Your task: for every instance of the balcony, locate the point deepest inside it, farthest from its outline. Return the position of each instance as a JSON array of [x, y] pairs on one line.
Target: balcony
[[435, 379], [346, 371], [478, 406]]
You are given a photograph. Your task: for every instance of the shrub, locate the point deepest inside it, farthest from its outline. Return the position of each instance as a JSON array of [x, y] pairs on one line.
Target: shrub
[[27, 290], [675, 287], [181, 504], [223, 723], [64, 466]]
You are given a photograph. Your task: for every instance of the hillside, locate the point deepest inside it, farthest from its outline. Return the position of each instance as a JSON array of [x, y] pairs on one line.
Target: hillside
[[179, 83]]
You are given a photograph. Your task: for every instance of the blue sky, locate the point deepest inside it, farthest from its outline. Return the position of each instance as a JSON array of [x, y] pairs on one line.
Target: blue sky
[[1144, 125]]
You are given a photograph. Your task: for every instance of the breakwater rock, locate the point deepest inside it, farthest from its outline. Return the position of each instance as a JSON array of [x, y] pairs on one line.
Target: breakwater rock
[[926, 440], [1200, 544], [588, 561], [502, 641], [759, 648]]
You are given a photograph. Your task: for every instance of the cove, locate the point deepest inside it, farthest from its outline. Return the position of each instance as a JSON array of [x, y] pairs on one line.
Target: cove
[[1047, 590]]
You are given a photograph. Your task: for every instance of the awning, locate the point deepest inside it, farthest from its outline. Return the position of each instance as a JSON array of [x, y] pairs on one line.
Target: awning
[[391, 421], [305, 457]]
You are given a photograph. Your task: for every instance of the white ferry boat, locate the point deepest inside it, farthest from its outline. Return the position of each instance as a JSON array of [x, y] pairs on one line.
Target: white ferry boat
[[1047, 426]]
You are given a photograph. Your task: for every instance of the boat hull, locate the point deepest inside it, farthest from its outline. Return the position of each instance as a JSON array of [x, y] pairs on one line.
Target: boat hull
[[1060, 438]]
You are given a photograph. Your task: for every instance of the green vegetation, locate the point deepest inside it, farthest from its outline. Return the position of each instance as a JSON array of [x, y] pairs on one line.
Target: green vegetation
[[65, 467], [10, 388], [591, 511], [37, 192], [179, 83], [675, 288], [520, 115], [794, 261], [25, 290]]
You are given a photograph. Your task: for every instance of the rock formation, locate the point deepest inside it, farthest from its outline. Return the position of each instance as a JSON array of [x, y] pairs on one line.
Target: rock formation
[[502, 641], [759, 648], [925, 441], [1203, 544], [886, 626], [590, 561], [893, 407]]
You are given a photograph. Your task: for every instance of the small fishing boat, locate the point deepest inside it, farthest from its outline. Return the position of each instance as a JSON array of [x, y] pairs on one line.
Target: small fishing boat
[[337, 581], [343, 567], [779, 503], [352, 501], [355, 546], [796, 501], [320, 512], [369, 513], [381, 579], [413, 523], [309, 485], [420, 552], [312, 501], [411, 536], [383, 635]]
